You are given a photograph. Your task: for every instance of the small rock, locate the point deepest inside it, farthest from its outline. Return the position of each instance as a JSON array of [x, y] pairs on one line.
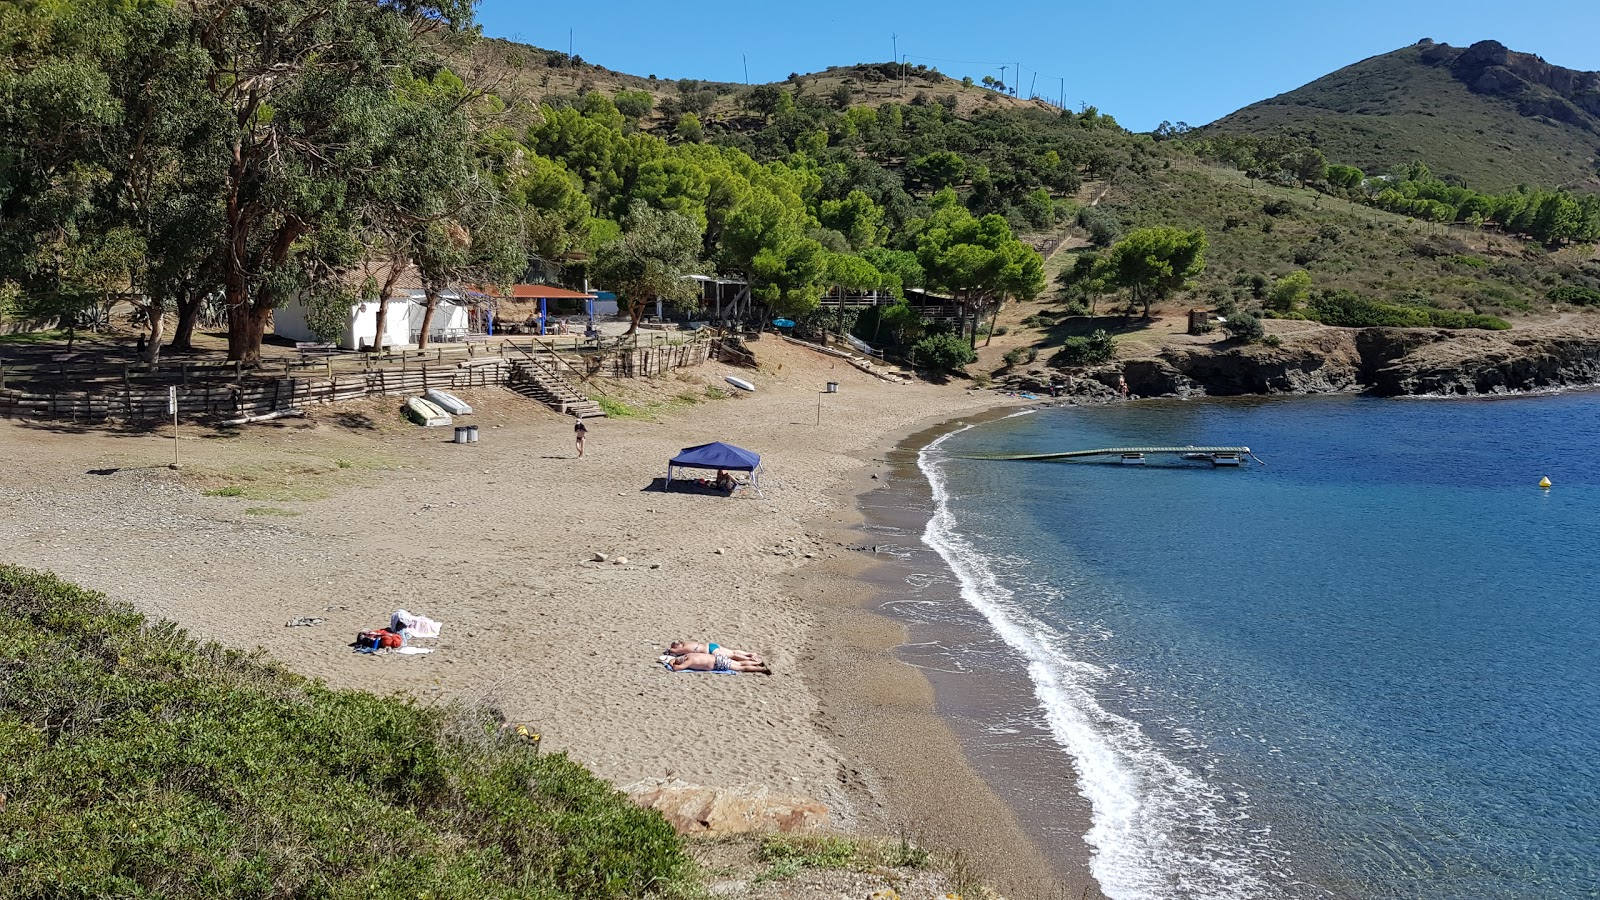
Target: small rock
[[600, 557], [621, 561], [721, 551], [655, 565]]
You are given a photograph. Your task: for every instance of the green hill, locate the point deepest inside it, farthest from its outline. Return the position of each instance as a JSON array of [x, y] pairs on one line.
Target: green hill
[[1492, 116]]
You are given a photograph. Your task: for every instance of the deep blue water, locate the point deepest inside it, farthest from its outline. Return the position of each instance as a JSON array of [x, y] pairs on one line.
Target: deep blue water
[[1368, 669]]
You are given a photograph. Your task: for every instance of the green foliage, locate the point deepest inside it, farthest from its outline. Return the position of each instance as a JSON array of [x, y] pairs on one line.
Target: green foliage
[[1245, 327], [634, 105], [158, 766], [616, 409], [653, 258], [1349, 310], [1577, 295], [943, 352], [1152, 263], [1289, 292], [1016, 356], [689, 129], [1102, 225], [1087, 350]]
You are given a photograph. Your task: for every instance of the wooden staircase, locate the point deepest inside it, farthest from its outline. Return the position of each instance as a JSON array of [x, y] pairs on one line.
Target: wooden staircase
[[538, 380]]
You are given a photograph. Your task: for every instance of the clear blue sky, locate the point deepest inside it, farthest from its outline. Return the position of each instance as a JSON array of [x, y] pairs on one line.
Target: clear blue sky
[[1142, 62]]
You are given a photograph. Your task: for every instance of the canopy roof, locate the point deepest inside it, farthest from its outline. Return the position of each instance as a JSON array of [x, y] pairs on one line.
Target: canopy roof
[[717, 455]]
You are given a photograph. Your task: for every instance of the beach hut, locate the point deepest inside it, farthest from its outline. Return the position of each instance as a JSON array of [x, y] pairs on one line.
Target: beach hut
[[719, 456]]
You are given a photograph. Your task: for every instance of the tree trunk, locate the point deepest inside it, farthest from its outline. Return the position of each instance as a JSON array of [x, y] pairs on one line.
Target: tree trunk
[[993, 318], [635, 313], [156, 312], [187, 300], [430, 304], [246, 323]]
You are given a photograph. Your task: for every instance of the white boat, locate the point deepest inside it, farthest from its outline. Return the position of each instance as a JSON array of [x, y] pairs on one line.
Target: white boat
[[448, 402], [426, 414], [739, 383], [1133, 459], [1226, 459]]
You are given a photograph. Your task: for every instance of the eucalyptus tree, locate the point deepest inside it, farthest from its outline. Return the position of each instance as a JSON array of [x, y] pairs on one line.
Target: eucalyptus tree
[[306, 85]]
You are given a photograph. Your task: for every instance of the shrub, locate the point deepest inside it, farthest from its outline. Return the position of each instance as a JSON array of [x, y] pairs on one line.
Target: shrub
[[1348, 310], [1278, 207], [1101, 225], [1020, 355], [1245, 327], [943, 352], [1097, 347], [1577, 295], [217, 775]]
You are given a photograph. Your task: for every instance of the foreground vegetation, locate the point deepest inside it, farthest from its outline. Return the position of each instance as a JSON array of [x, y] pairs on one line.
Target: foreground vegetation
[[139, 763]]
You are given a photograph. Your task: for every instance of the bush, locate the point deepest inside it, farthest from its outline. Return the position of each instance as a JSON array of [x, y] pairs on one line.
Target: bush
[[1348, 310], [1245, 327], [1577, 295], [1101, 225], [1277, 207], [1020, 355], [1096, 348], [141, 763], [943, 352]]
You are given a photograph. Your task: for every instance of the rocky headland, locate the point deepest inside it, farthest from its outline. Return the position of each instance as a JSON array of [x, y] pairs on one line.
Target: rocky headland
[[1389, 362]]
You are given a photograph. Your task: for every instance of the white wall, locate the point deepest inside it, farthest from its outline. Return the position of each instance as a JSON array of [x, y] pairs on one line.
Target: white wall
[[361, 325]]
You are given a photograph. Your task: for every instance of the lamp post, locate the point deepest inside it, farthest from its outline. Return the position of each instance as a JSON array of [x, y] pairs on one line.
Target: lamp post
[[832, 388]]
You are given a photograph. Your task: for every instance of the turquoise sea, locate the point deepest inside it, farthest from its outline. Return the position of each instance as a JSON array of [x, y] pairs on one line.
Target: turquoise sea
[[1367, 669]]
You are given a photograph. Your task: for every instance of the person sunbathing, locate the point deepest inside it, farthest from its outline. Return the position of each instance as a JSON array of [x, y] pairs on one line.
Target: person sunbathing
[[678, 648], [714, 662]]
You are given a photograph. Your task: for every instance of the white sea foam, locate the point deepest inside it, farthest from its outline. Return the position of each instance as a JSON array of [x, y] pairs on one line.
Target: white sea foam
[[1159, 831]]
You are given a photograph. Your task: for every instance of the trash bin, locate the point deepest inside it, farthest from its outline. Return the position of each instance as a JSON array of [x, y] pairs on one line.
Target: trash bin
[[472, 434], [462, 436]]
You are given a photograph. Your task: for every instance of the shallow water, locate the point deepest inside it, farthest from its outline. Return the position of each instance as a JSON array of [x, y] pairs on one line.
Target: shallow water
[[1366, 669]]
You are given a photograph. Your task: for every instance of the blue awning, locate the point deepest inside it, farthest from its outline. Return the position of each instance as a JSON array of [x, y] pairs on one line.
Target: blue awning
[[716, 455]]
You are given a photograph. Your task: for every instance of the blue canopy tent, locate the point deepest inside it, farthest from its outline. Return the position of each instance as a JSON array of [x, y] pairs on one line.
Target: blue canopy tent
[[717, 455]]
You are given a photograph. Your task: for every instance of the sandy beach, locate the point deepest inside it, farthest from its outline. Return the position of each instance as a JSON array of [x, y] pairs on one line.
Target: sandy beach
[[351, 513]]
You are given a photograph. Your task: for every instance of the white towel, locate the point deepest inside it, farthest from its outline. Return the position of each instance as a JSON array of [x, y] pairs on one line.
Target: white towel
[[411, 651], [415, 626]]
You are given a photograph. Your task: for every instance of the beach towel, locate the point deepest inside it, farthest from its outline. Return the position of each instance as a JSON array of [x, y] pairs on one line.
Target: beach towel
[[417, 626], [666, 663]]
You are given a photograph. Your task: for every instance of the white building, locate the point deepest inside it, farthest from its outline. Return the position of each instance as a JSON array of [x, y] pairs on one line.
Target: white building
[[402, 328]]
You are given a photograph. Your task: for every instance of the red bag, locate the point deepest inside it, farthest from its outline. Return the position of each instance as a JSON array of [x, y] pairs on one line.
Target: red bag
[[382, 639]]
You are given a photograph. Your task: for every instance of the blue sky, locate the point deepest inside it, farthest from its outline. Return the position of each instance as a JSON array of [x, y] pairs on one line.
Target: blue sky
[[1141, 62]]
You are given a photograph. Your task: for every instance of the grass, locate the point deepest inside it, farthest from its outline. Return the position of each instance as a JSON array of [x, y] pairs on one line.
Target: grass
[[269, 511], [34, 337], [141, 763], [786, 855], [290, 476], [232, 490], [616, 409]]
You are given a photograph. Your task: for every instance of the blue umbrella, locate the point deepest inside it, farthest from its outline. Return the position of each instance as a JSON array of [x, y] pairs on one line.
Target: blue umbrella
[[783, 323]]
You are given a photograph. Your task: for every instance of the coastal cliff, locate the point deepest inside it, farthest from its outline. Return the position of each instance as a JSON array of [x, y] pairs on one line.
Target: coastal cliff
[[1389, 362]]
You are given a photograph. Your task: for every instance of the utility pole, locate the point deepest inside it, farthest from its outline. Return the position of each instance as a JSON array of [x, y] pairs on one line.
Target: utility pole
[[1032, 84], [1018, 86], [896, 39], [746, 67], [1062, 101], [569, 42]]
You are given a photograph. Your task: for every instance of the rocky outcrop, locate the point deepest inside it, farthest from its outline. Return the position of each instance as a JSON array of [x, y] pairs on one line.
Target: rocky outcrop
[[695, 809], [1535, 86], [1384, 361]]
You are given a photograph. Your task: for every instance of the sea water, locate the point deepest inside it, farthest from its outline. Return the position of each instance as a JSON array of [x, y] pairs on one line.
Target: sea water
[[1369, 668]]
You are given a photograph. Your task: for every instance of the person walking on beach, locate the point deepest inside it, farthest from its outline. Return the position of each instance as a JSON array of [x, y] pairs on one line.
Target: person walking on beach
[[579, 431]]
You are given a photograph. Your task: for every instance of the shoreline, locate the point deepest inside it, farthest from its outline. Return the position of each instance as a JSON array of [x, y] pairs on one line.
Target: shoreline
[[921, 734]]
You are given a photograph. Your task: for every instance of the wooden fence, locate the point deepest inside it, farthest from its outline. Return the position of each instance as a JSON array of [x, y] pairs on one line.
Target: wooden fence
[[643, 362], [97, 393], [249, 396]]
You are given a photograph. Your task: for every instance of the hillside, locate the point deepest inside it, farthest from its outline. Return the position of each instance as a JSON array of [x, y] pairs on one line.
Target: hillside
[[537, 75], [1492, 116]]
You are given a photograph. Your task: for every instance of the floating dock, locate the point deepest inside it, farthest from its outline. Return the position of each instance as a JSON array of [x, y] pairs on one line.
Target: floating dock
[[1123, 452]]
